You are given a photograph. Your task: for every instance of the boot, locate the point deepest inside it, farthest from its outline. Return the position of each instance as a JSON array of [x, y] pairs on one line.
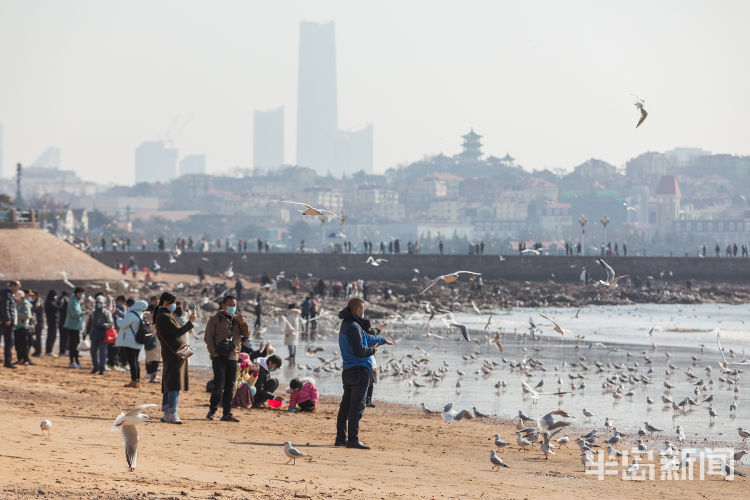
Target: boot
[[134, 384]]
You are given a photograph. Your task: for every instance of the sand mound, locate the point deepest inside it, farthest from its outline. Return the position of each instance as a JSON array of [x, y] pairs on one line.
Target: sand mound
[[33, 254]]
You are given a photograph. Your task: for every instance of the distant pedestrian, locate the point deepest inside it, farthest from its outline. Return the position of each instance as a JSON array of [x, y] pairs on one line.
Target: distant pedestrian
[[51, 313], [74, 325], [8, 321]]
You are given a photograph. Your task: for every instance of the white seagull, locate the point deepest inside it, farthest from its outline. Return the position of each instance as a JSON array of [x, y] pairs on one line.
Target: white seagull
[[375, 262], [449, 278], [611, 281], [557, 327], [126, 422], [293, 453], [639, 104], [497, 462], [314, 211], [46, 427], [724, 363]]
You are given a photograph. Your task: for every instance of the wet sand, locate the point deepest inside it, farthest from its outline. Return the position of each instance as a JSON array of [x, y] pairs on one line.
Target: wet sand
[[414, 455]]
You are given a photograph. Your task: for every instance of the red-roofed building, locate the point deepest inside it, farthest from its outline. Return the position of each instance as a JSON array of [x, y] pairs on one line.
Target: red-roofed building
[[668, 186]]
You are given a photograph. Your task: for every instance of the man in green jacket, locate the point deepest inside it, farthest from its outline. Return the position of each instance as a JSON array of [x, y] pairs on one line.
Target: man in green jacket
[[74, 325]]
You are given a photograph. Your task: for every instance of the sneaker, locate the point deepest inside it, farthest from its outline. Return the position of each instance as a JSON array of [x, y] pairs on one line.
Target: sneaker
[[357, 444], [93, 370], [78, 365], [210, 415], [36, 355], [72, 365], [229, 418], [101, 372], [29, 363], [176, 419], [10, 366], [339, 442], [370, 405], [51, 354]]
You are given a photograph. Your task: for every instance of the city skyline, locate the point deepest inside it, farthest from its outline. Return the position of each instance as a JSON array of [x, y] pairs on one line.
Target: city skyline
[[550, 90]]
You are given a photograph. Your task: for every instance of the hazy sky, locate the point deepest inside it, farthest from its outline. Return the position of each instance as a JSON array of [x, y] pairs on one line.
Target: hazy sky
[[546, 81]]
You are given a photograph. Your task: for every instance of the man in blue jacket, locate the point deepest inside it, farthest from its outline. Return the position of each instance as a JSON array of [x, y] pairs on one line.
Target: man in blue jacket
[[356, 348]]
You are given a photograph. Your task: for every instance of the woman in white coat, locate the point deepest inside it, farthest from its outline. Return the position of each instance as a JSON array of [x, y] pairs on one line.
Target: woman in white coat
[[291, 330], [128, 326]]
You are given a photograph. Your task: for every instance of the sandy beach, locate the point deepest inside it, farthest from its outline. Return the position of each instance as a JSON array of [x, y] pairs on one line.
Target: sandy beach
[[414, 455]]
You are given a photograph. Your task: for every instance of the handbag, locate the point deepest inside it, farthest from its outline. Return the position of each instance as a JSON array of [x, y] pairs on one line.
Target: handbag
[[110, 336], [84, 345], [184, 352]]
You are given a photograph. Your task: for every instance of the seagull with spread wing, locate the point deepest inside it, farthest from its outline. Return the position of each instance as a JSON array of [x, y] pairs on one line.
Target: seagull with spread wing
[[639, 104], [449, 278], [318, 212], [629, 208], [611, 281], [557, 327], [375, 262], [126, 422], [724, 363]]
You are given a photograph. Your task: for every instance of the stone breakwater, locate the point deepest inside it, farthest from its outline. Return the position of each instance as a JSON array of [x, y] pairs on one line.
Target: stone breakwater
[[401, 267]]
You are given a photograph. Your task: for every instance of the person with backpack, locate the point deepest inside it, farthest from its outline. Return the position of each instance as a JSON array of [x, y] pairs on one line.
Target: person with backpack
[[129, 326]]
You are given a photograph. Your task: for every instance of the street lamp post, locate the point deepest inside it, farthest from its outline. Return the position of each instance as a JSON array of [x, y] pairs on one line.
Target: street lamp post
[[605, 220], [582, 220]]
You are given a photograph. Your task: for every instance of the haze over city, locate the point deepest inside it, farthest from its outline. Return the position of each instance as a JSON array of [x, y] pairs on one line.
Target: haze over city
[[548, 82]]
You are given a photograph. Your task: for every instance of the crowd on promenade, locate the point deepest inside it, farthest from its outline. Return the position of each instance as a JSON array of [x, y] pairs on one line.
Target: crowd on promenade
[[114, 330]]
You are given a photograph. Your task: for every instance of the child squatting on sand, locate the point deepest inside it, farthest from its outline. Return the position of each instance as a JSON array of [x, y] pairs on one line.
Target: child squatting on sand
[[303, 394]]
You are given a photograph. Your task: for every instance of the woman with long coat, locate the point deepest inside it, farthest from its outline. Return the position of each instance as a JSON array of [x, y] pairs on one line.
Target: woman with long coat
[[51, 311], [291, 330], [174, 370]]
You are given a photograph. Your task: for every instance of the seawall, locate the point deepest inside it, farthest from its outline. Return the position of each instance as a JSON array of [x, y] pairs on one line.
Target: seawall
[[401, 267]]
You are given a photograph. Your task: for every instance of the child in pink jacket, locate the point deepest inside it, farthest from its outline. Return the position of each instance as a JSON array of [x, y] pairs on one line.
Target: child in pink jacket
[[303, 393]]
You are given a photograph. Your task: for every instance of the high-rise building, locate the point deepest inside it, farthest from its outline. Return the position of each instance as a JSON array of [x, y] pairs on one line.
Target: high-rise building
[[50, 158], [154, 162], [193, 164], [268, 138], [2, 172], [320, 143]]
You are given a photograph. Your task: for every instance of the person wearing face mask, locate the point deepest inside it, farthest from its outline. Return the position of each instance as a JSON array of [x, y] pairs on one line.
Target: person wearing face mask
[[74, 324], [175, 370], [357, 348], [223, 337], [99, 321], [265, 385]]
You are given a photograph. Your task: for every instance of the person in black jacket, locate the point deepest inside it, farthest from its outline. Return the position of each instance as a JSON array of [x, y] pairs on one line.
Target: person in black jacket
[[265, 386], [174, 370], [51, 313], [8, 320], [37, 307]]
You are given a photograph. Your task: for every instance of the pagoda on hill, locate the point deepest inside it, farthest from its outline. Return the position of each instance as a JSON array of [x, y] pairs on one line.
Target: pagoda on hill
[[472, 148]]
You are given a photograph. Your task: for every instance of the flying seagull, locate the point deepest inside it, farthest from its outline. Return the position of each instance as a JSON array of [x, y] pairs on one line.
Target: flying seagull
[[629, 208], [639, 104], [724, 363], [449, 278], [314, 211], [126, 422], [293, 453], [611, 279], [557, 327], [375, 262]]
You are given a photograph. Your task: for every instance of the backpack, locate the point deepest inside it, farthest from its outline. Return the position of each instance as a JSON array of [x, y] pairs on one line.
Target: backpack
[[143, 334]]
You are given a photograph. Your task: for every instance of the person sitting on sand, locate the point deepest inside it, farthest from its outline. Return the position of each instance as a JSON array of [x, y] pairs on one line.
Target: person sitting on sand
[[303, 393], [264, 385], [244, 387]]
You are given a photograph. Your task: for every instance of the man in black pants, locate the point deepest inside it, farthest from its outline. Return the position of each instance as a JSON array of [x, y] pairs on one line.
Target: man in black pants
[[224, 325], [356, 348], [8, 321]]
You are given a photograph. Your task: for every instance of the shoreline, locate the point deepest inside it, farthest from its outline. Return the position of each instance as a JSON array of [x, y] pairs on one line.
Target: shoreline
[[414, 455]]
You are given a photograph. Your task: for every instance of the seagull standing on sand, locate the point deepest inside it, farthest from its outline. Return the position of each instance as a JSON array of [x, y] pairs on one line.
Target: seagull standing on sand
[[126, 422], [497, 462], [293, 453], [449, 278], [46, 427]]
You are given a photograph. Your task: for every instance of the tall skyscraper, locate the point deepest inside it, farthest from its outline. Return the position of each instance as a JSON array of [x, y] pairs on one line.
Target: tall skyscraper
[[193, 164], [154, 162], [2, 172], [320, 143], [317, 107], [50, 158], [268, 138]]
